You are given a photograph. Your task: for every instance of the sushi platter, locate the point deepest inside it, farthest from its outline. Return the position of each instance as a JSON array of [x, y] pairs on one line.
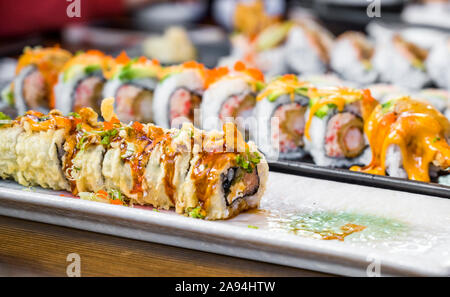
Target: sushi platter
[[402, 243], [298, 148], [307, 168]]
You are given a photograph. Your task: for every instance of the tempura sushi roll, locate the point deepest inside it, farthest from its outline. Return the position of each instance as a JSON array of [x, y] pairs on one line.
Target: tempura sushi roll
[[212, 175], [133, 84], [179, 94], [308, 48], [38, 150], [351, 57], [197, 173], [231, 97], [36, 74], [334, 131], [80, 83], [280, 111], [438, 64], [8, 155], [409, 139], [402, 63]]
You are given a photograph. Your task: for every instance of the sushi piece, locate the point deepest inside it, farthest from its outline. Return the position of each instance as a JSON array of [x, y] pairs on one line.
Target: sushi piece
[[401, 63], [384, 92], [36, 74], [33, 152], [280, 111], [133, 83], [266, 51], [179, 94], [351, 57], [409, 139], [231, 97], [438, 98], [211, 175], [334, 129], [308, 47], [438, 64], [80, 83], [270, 47]]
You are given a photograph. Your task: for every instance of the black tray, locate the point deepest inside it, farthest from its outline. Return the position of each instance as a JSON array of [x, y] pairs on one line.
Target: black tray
[[359, 178]]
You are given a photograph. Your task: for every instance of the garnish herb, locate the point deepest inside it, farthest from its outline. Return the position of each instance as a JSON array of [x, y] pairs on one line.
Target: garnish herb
[[4, 119], [196, 213], [74, 114], [248, 161]]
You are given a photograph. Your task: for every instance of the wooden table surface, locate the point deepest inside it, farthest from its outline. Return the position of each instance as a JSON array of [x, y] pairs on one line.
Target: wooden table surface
[[36, 249]]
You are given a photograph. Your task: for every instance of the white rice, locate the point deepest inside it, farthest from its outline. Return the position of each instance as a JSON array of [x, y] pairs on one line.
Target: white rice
[[438, 64], [394, 162], [19, 100], [189, 79], [65, 90], [395, 68], [300, 57], [316, 146], [264, 111], [344, 60], [215, 96]]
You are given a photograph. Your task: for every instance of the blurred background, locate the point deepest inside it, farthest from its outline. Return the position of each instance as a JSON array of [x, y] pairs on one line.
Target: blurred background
[[112, 25], [180, 30]]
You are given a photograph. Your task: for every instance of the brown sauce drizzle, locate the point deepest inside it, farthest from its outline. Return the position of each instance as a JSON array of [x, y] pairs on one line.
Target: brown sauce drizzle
[[347, 230]]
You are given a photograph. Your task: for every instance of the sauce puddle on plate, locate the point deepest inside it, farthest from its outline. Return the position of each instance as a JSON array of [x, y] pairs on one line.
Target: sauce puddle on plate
[[335, 225]]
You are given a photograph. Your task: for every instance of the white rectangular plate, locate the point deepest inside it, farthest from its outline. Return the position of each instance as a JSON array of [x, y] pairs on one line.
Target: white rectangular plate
[[405, 234]]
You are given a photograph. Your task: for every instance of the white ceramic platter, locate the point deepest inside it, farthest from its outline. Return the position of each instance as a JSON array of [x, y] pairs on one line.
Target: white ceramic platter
[[401, 233]]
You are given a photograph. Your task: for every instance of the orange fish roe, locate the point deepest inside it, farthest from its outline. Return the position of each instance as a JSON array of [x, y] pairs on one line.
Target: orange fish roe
[[252, 75], [49, 61]]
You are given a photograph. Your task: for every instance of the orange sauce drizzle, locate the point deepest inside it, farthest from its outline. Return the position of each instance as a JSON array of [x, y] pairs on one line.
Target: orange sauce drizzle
[[49, 61], [286, 84], [193, 65], [339, 97], [252, 76], [419, 131]]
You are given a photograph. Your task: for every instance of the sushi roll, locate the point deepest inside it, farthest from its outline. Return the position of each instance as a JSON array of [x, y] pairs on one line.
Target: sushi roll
[[270, 47], [438, 98], [308, 47], [231, 97], [212, 175], [385, 92], [80, 83], [179, 94], [133, 84], [438, 64], [266, 51], [351, 57], [36, 74], [285, 101], [409, 139], [33, 155], [334, 129], [401, 63], [325, 80]]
